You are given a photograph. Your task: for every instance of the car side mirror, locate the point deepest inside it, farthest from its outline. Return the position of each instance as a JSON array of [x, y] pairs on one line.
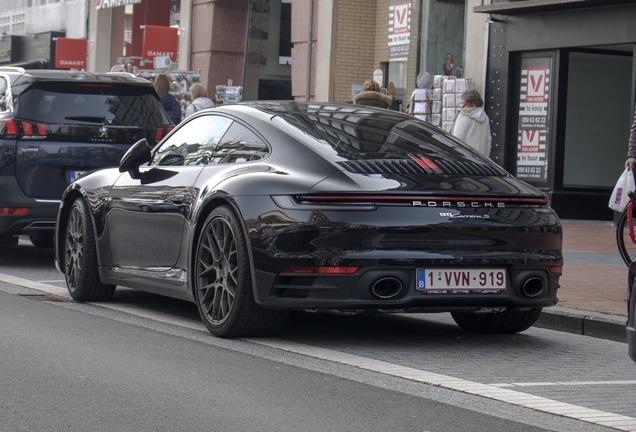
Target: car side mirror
[[136, 155]]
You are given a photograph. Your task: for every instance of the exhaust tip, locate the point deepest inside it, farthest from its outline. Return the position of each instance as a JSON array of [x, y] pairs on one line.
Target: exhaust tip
[[386, 288], [533, 286]]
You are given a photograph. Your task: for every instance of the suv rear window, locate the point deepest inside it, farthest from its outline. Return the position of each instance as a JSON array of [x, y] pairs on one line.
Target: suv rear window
[[91, 103]]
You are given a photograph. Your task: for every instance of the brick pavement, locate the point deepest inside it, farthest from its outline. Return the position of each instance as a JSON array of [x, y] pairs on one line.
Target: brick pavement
[[594, 275]]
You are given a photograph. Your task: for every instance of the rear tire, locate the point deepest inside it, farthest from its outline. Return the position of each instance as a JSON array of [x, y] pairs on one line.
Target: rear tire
[[223, 281], [508, 321], [80, 257]]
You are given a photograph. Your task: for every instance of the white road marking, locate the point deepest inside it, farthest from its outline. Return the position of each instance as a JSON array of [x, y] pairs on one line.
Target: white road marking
[[491, 391], [514, 397], [564, 383], [26, 283]]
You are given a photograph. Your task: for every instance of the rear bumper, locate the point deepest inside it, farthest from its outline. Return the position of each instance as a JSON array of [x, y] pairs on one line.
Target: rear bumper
[[41, 214], [360, 291]]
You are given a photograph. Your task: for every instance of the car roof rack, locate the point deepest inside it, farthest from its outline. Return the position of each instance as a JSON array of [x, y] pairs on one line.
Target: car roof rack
[[12, 69]]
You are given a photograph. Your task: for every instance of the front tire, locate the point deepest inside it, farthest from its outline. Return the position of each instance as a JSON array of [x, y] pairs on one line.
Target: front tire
[[223, 282], [80, 257], [508, 321]]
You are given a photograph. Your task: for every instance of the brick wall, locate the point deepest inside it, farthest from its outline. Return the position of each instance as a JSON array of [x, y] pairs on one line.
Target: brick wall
[[355, 46]]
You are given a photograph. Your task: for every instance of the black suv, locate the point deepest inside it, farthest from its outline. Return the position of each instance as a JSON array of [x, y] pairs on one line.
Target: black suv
[[56, 125]]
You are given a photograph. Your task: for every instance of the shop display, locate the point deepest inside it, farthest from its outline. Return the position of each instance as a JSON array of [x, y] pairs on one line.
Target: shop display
[[446, 99]]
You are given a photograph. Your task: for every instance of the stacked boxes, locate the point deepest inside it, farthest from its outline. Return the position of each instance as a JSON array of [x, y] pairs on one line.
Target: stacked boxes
[[446, 99]]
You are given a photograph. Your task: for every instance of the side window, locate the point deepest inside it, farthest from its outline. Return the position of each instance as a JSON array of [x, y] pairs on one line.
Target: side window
[[3, 94], [238, 145], [193, 143]]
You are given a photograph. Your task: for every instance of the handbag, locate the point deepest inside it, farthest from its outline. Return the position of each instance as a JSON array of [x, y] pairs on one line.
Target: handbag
[[624, 185]]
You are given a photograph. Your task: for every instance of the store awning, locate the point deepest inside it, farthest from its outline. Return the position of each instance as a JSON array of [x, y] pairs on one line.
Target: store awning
[[538, 6]]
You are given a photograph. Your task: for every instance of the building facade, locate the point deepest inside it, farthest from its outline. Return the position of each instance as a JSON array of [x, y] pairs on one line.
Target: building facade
[[560, 94], [558, 76]]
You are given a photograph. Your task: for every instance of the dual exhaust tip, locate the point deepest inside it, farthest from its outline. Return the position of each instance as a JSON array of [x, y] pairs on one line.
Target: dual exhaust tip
[[390, 287]]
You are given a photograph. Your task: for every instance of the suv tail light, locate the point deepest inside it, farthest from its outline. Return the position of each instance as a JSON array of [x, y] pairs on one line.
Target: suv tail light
[[162, 132], [23, 128], [13, 210]]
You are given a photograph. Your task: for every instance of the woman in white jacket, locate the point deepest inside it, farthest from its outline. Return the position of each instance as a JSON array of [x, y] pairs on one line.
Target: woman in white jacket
[[200, 99], [472, 124]]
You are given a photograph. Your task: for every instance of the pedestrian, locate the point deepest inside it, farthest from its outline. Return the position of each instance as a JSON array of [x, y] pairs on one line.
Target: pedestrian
[[200, 99], [472, 124], [631, 151], [372, 96], [170, 103]]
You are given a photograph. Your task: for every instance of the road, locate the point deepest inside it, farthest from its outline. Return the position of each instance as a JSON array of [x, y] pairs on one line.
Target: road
[[142, 362]]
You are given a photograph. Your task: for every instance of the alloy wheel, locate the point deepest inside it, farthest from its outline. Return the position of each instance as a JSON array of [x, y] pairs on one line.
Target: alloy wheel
[[217, 271]]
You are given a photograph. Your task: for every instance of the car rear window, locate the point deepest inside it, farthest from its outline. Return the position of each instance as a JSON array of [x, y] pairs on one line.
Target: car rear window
[[91, 103], [384, 142], [358, 133]]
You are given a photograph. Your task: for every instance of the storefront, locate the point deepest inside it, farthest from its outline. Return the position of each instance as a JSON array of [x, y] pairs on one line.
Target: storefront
[[560, 89], [243, 42], [32, 51]]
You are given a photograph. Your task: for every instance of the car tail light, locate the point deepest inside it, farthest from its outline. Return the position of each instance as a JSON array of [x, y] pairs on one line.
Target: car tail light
[[13, 211], [23, 128], [557, 270], [421, 200], [321, 270], [162, 132]]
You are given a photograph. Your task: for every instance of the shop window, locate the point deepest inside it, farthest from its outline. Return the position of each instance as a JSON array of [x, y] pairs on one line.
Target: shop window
[[598, 117]]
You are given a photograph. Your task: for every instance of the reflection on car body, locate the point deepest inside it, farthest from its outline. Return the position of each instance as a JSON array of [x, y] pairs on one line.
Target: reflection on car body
[[278, 206]]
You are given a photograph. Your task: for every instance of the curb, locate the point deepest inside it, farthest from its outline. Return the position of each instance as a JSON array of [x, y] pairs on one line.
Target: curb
[[594, 324]]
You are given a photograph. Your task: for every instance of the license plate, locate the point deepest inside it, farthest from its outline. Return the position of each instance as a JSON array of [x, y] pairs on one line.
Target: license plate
[[73, 175], [447, 281]]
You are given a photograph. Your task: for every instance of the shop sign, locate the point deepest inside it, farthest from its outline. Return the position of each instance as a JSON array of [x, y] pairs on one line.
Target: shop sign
[[103, 4], [70, 53], [160, 41], [399, 28], [534, 109], [37, 47]]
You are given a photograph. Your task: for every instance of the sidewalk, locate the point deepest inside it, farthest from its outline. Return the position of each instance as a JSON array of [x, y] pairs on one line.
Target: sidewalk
[[593, 293]]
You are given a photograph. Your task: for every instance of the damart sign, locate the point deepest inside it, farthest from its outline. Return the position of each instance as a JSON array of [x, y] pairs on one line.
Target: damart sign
[[70, 53], [103, 4]]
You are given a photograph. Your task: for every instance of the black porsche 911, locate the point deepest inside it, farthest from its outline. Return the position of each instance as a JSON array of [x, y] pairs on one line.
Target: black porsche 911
[[255, 209]]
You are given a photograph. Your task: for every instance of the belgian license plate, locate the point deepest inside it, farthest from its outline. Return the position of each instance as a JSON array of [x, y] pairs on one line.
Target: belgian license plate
[[74, 175], [455, 281]]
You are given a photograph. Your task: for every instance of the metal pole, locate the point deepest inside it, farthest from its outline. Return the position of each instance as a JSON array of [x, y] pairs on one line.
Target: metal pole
[[309, 50]]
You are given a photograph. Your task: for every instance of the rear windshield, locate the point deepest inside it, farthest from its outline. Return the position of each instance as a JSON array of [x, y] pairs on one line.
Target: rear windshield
[[382, 141], [358, 133], [91, 103]]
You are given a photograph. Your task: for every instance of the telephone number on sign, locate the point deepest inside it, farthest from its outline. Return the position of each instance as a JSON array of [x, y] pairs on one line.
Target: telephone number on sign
[[529, 170], [461, 279]]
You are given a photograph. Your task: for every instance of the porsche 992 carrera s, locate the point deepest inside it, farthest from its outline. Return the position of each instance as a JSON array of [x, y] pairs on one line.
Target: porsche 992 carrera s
[[255, 209]]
